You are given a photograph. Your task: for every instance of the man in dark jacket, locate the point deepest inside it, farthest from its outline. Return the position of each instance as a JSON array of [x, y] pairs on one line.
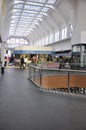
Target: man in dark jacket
[[22, 62]]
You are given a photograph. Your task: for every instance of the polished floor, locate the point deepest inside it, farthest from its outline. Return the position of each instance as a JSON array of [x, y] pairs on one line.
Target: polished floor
[[25, 107]]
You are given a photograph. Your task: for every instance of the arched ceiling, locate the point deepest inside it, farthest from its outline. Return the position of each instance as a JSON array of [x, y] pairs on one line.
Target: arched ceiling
[[34, 18]]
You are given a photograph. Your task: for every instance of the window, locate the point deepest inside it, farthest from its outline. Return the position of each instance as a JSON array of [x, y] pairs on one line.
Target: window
[[17, 40], [18, 6], [70, 30], [57, 36], [43, 41], [46, 40], [51, 38], [51, 1], [64, 33], [13, 42]]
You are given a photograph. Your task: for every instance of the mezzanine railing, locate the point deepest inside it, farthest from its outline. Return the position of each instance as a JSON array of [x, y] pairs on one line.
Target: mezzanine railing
[[58, 79]]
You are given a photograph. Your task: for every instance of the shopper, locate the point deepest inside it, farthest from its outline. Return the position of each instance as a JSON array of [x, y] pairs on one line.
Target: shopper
[[22, 63]]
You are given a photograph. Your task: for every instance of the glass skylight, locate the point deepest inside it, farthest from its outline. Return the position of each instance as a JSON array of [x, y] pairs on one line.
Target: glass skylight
[[26, 15], [18, 6], [40, 1], [29, 14], [16, 13], [34, 3], [51, 1], [45, 9], [40, 16], [31, 7]]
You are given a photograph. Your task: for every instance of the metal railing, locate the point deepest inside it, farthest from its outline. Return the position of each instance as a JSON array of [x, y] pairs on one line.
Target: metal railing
[[58, 79]]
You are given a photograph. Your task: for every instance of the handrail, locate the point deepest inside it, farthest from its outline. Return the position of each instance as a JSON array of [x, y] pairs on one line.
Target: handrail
[[66, 70], [59, 79]]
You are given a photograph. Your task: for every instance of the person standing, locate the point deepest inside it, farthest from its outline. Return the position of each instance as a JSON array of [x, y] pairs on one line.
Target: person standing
[[22, 62]]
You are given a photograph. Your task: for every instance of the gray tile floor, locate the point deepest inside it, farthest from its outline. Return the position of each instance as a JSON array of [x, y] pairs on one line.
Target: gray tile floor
[[25, 107]]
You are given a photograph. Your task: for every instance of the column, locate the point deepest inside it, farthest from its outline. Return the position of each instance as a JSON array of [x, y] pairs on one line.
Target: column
[[79, 26], [2, 57]]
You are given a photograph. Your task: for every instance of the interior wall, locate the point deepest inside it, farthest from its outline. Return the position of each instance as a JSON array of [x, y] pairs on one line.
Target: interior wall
[[62, 45]]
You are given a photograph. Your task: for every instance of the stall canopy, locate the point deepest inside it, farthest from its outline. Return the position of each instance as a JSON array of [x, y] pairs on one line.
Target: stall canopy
[[33, 50]]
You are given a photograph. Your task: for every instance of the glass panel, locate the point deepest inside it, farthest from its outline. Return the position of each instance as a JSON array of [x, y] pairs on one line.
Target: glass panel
[[51, 1], [76, 49], [26, 17], [13, 21], [64, 33], [17, 40], [14, 17], [43, 41], [8, 41], [70, 30], [26, 42], [30, 11], [45, 9], [46, 40], [13, 25], [16, 13], [21, 41], [30, 7], [40, 15], [18, 6], [12, 28], [29, 14], [18, 1], [51, 38], [39, 1], [57, 36], [12, 40]]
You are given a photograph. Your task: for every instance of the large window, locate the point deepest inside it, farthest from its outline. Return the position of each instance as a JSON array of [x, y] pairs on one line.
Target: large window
[[70, 30], [42, 42], [13, 42], [51, 38], [57, 36], [46, 40], [64, 33]]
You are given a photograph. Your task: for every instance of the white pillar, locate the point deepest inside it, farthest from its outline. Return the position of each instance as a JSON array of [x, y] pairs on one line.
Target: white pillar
[[79, 27], [79, 22], [2, 57]]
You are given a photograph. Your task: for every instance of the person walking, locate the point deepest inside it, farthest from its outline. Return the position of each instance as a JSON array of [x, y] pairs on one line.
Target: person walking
[[22, 62]]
